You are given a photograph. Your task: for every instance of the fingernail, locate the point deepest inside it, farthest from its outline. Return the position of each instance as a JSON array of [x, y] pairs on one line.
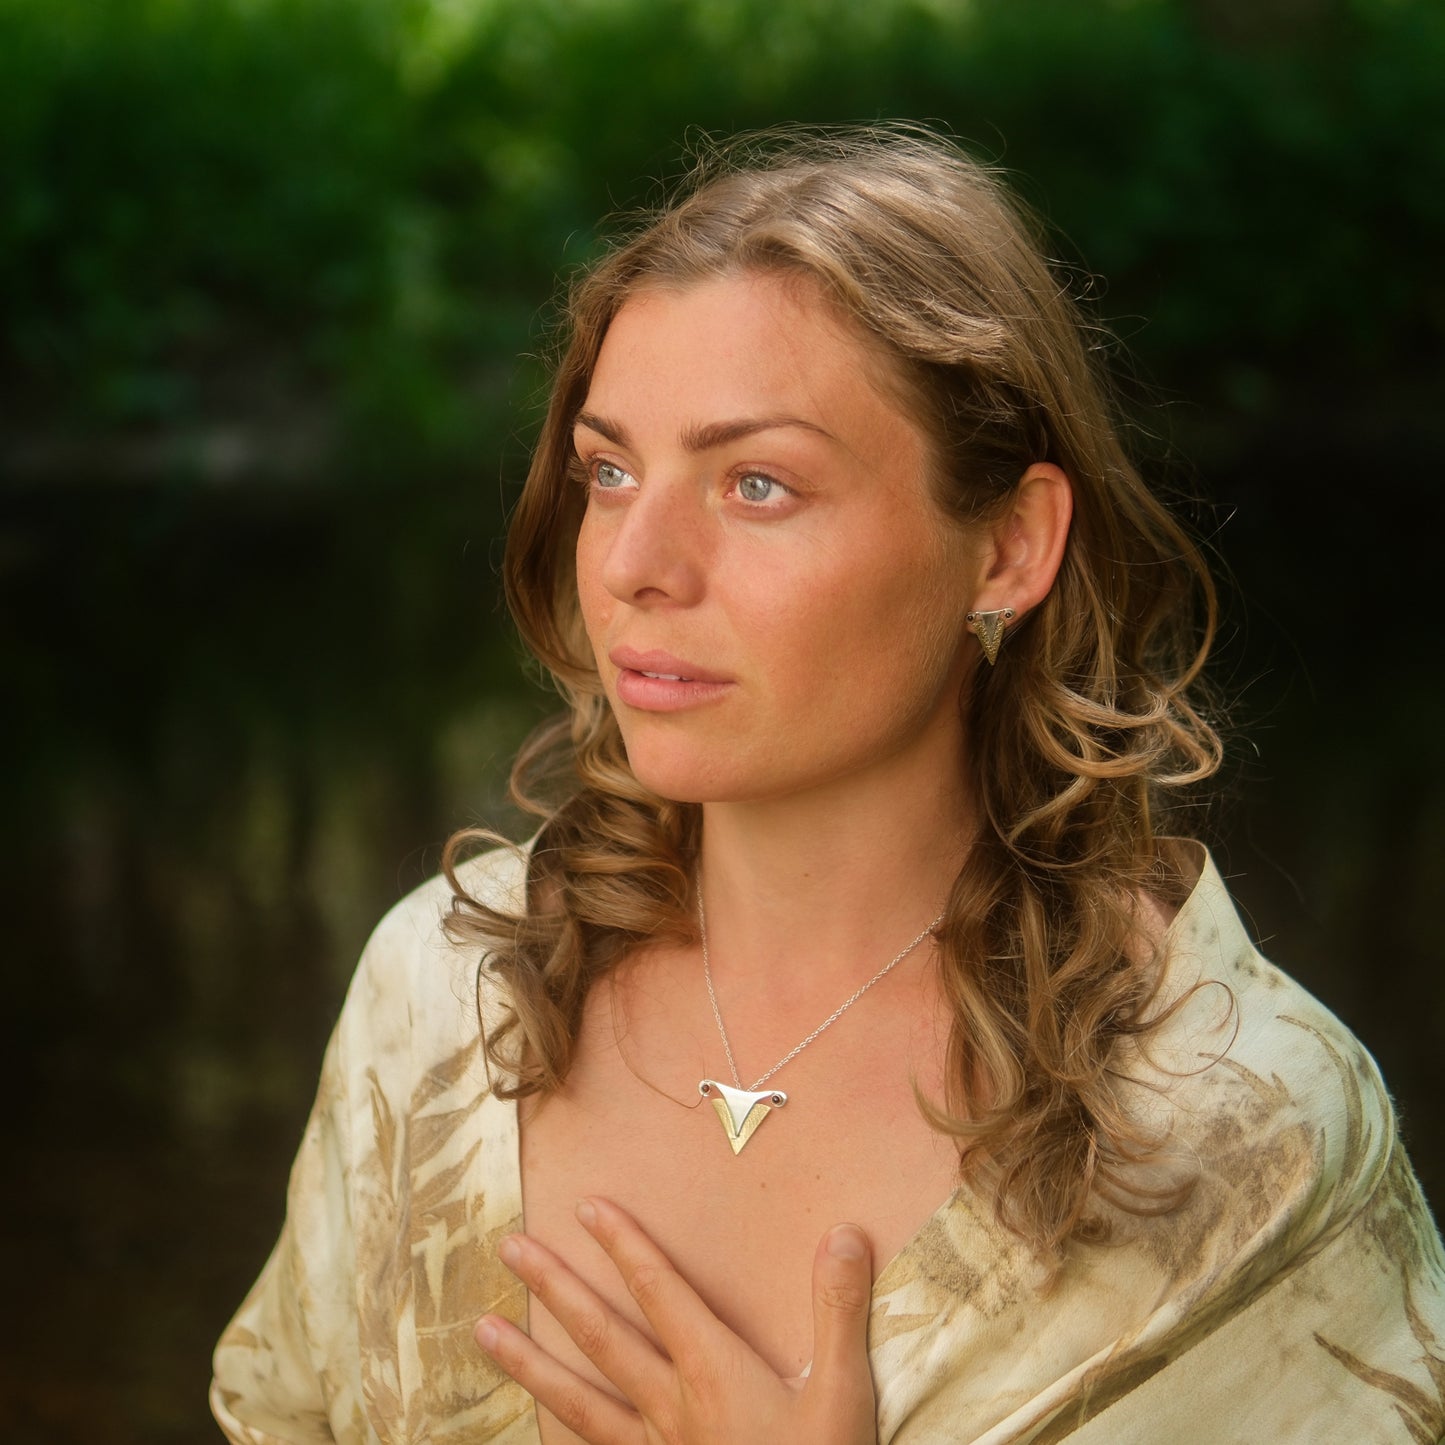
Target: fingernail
[[586, 1214], [509, 1251], [487, 1335], [847, 1242]]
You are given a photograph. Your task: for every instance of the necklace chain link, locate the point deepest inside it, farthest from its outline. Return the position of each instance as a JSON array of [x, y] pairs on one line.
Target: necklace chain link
[[827, 1022]]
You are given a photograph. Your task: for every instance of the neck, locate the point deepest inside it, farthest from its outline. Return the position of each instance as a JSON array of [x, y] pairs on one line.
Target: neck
[[812, 894]]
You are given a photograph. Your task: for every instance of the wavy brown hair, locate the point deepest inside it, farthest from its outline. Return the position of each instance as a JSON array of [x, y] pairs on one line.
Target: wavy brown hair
[[1079, 736]]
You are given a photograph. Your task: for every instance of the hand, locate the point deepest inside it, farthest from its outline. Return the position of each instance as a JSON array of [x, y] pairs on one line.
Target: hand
[[705, 1386]]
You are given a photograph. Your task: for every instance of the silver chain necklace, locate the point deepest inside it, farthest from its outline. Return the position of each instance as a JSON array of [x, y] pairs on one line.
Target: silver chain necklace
[[742, 1110]]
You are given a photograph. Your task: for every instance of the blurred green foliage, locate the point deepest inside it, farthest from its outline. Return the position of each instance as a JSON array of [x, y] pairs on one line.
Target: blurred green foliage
[[355, 208]]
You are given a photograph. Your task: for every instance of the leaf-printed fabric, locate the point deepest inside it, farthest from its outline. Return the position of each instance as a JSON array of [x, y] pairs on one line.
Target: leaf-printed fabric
[[1297, 1295]]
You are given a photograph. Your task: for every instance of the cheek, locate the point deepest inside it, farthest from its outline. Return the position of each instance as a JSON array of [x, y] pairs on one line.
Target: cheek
[[593, 598], [938, 627], [902, 624]]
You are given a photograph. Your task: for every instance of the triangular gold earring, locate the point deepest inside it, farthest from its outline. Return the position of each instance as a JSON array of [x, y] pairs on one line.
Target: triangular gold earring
[[988, 627]]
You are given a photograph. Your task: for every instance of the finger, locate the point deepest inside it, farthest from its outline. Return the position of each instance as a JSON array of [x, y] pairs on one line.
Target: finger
[[692, 1335], [579, 1405], [620, 1350], [842, 1297]]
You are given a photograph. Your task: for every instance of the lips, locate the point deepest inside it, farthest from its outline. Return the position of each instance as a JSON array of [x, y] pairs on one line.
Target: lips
[[659, 682], [663, 666]]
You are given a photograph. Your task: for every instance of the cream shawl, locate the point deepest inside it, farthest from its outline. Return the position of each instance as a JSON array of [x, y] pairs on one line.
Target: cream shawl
[[1298, 1296]]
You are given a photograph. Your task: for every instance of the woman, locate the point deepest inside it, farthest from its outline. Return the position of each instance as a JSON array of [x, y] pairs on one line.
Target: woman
[[849, 903]]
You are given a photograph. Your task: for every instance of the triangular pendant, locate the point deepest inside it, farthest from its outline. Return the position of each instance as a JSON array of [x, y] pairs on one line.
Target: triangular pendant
[[740, 1110]]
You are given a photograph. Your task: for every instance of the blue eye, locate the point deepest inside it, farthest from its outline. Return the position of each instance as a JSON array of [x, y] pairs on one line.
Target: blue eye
[[610, 476], [757, 488]]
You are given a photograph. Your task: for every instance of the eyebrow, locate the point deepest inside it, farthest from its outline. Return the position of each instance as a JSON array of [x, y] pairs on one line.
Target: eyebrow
[[703, 438]]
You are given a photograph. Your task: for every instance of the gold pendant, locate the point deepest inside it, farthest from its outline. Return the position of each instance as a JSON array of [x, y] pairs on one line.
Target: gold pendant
[[740, 1110]]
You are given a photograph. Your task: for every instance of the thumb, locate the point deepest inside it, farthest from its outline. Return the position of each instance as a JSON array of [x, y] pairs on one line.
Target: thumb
[[842, 1294]]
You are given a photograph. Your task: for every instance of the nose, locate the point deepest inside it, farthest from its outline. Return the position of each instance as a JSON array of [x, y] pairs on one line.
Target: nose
[[656, 549]]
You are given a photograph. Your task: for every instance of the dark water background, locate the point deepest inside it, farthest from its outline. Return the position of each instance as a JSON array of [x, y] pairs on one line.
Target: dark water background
[[265, 267], [253, 744]]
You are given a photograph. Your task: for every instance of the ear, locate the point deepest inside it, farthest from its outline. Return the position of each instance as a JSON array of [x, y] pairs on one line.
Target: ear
[[1026, 546]]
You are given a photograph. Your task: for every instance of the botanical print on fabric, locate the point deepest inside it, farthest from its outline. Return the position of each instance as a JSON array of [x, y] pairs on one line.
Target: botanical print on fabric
[[1296, 1295]]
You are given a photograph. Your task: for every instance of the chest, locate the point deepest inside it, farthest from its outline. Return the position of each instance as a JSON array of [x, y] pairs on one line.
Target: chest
[[849, 1145]]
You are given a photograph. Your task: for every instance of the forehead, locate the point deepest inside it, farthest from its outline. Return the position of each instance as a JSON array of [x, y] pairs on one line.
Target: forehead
[[741, 345]]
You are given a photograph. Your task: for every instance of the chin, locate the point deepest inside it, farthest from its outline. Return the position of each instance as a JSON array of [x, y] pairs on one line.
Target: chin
[[680, 783], [702, 780], [682, 772]]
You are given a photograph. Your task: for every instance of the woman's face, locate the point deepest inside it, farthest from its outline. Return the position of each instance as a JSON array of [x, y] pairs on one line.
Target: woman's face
[[775, 602]]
